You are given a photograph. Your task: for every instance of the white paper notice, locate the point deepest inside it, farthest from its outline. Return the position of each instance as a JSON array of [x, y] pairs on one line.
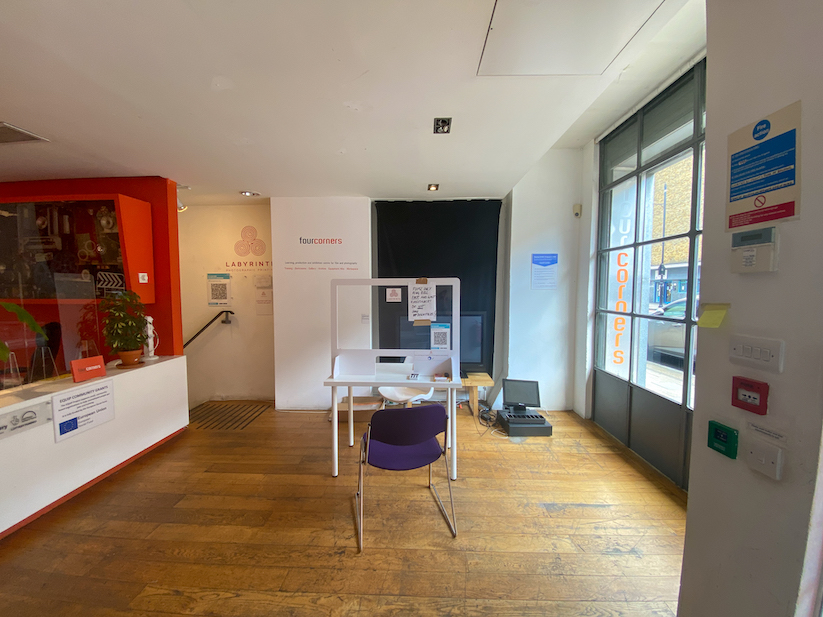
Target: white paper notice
[[394, 294], [422, 302], [78, 410], [544, 270], [263, 301]]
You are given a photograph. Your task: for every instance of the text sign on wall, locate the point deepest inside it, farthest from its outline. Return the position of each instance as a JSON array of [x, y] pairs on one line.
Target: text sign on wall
[[544, 270], [81, 409], [764, 170], [422, 302]]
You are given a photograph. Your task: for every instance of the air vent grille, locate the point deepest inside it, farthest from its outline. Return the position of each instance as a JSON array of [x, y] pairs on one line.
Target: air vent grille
[[10, 134]]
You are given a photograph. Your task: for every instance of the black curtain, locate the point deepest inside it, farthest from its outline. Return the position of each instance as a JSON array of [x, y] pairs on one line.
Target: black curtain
[[443, 239]]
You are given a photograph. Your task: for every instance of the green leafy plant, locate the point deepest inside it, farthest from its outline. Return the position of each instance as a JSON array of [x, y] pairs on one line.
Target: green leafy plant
[[24, 317], [124, 321]]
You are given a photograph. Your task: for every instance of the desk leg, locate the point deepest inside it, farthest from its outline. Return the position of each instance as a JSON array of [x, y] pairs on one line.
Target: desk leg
[[351, 417], [334, 431], [449, 419], [473, 405], [453, 417]]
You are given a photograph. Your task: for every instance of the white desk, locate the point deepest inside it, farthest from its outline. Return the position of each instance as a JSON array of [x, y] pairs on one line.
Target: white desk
[[355, 363], [374, 381]]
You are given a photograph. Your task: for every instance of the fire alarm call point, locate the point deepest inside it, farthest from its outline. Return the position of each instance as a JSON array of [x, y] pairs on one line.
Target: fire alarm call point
[[750, 394]]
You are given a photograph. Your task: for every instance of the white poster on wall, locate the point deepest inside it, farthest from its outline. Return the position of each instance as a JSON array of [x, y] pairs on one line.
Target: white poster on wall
[[544, 270], [218, 287], [263, 301], [81, 409], [764, 171]]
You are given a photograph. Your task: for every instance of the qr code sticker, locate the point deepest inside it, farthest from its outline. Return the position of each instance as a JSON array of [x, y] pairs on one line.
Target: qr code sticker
[[440, 338], [219, 291]]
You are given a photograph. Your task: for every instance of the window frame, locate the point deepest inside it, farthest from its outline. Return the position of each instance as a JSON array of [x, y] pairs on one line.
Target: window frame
[[696, 143]]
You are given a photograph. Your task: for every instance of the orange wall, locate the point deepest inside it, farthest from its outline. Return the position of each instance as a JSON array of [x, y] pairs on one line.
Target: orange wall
[[162, 195]]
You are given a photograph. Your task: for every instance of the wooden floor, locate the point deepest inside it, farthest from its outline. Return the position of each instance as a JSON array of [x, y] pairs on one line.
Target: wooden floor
[[247, 523]]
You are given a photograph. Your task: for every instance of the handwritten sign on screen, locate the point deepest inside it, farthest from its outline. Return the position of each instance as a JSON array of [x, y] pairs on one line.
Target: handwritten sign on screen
[[422, 302]]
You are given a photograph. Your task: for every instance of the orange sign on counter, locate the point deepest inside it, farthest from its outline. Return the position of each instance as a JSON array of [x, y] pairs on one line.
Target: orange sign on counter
[[88, 368]]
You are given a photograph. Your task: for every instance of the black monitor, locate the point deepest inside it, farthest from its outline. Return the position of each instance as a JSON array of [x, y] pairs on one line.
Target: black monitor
[[518, 395], [471, 336]]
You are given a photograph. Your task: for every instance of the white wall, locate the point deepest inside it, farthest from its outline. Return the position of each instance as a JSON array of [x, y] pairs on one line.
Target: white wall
[[746, 535], [302, 275], [542, 322], [585, 292], [227, 361]]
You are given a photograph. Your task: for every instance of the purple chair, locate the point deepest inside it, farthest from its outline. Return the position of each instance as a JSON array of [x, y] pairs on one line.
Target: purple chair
[[403, 439]]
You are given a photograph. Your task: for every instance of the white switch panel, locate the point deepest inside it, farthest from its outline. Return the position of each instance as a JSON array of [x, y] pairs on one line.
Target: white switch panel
[[763, 353], [142, 277], [765, 458]]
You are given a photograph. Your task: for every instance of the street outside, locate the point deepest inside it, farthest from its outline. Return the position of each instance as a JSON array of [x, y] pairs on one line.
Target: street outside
[[664, 380]]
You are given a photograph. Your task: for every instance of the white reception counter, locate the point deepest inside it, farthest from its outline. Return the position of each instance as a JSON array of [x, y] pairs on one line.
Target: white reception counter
[[150, 405]]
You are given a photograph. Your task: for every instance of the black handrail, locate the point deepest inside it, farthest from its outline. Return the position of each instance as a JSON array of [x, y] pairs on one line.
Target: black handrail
[[226, 319]]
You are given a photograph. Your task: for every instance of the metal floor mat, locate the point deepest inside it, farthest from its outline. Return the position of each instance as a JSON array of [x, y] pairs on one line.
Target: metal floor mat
[[225, 416]]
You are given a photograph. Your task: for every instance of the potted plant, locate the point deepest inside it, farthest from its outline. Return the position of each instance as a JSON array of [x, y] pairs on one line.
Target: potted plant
[[124, 325]]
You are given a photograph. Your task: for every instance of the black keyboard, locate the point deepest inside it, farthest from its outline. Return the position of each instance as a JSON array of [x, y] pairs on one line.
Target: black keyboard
[[524, 418]]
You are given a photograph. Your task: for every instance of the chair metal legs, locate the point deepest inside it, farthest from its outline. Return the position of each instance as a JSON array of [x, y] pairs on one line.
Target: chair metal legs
[[451, 522], [361, 482], [358, 498]]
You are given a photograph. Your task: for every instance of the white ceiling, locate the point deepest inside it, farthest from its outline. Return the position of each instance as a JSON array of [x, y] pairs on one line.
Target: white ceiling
[[324, 97]]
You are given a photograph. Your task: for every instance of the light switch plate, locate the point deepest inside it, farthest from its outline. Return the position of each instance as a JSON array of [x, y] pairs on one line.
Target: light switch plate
[[770, 351], [765, 458], [142, 277]]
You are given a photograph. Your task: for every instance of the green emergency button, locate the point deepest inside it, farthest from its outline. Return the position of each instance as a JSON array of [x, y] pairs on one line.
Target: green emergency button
[[723, 439]]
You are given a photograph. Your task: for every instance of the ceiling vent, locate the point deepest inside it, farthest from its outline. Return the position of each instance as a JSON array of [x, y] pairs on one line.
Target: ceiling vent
[[10, 134]]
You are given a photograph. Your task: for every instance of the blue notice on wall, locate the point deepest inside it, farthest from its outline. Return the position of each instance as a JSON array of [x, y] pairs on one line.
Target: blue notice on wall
[[766, 166], [544, 270]]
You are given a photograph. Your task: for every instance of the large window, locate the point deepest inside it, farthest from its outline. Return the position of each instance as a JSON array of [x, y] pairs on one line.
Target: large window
[[649, 253]]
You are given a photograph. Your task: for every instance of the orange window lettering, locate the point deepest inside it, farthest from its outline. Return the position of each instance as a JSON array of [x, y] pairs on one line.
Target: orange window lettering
[[619, 326]]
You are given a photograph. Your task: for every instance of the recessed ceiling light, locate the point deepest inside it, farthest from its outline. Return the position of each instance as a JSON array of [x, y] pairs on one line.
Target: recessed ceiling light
[[434, 187], [442, 125], [250, 193]]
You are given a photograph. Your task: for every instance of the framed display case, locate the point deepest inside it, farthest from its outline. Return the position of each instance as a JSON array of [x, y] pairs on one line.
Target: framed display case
[[58, 257]]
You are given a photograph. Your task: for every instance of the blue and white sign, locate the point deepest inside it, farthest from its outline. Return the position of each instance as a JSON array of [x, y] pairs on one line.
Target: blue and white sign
[[544, 270], [761, 129], [440, 336], [766, 166], [764, 171], [218, 285], [80, 409]]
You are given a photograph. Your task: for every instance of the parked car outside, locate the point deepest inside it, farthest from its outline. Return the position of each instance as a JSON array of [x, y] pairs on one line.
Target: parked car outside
[[667, 339]]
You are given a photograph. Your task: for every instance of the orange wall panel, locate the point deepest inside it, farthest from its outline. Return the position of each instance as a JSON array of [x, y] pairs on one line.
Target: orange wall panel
[[134, 220]]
